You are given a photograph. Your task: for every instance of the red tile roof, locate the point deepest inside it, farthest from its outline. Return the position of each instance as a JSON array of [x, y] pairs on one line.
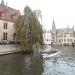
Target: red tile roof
[[8, 12]]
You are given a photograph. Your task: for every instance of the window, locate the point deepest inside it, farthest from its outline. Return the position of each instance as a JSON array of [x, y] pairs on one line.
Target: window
[[14, 36], [70, 40], [13, 17], [64, 40], [47, 40], [56, 36], [70, 35], [61, 35], [64, 35], [5, 25], [3, 15], [4, 36], [59, 40]]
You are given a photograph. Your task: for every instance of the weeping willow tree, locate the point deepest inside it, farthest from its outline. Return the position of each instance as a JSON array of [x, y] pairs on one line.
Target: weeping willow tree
[[28, 30]]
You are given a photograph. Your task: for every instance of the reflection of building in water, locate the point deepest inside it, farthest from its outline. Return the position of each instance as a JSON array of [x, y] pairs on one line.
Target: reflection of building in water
[[27, 61], [63, 36]]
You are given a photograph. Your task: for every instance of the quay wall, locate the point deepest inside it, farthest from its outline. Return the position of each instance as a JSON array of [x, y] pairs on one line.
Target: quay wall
[[6, 49]]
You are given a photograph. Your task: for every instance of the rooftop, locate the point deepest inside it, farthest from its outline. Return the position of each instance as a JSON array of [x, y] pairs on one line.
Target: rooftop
[[8, 12]]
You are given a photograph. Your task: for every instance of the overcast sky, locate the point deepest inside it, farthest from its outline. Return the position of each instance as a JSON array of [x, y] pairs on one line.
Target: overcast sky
[[62, 11]]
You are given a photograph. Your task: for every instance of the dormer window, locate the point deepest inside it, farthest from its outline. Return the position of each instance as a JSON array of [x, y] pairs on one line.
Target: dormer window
[[3, 15], [13, 17]]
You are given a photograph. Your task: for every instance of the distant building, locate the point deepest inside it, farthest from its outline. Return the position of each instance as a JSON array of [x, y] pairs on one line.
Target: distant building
[[63, 36], [8, 17], [53, 32], [47, 37]]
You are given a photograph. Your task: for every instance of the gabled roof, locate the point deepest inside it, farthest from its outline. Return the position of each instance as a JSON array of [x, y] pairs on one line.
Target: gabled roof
[[8, 11]]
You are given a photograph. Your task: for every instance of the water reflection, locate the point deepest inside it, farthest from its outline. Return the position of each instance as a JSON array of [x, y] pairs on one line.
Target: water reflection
[[64, 64], [18, 64], [11, 65], [21, 64]]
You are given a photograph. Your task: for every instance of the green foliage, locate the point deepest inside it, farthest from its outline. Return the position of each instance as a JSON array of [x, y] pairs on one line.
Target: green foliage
[[28, 30]]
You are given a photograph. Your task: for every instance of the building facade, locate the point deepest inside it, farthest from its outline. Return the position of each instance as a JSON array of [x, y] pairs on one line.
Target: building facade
[[8, 17], [63, 36], [47, 37]]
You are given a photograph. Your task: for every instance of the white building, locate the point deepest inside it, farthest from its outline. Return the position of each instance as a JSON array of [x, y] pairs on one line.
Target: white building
[[8, 16], [64, 38], [47, 37]]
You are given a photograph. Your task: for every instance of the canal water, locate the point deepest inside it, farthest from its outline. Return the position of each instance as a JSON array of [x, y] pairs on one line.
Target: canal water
[[21, 64]]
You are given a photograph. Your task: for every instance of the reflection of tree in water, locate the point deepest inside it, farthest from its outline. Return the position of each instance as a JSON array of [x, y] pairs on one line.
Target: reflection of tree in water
[[33, 65], [18, 64]]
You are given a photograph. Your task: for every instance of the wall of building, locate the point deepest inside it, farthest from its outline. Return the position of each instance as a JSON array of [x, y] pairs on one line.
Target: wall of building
[[10, 30], [47, 37], [64, 38]]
